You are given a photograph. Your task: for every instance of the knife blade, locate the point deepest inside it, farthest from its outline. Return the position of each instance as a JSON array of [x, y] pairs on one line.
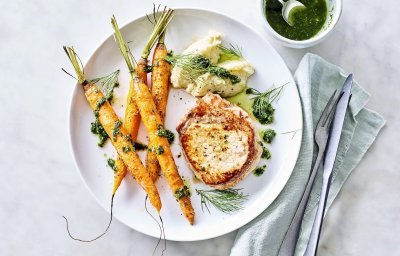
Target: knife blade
[[329, 161]]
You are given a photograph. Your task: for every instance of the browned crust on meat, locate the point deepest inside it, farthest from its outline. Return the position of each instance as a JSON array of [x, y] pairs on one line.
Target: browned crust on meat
[[213, 109]]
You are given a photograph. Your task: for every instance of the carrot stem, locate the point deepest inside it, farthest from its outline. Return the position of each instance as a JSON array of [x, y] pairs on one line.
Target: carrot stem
[[76, 63]]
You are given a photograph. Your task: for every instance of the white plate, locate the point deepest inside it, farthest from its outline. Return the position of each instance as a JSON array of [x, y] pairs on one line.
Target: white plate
[[186, 26]]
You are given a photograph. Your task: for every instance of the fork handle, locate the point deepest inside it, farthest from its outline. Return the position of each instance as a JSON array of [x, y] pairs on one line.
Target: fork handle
[[289, 243], [312, 245]]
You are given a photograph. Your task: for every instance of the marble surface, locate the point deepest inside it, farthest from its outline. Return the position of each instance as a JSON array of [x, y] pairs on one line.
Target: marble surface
[[39, 182]]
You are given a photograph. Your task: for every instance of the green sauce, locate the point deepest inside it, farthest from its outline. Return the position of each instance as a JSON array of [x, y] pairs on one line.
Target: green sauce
[[111, 164], [266, 154], [242, 100], [116, 131], [139, 146], [97, 129], [159, 150], [225, 56], [187, 185], [161, 132], [307, 22], [268, 135], [182, 192], [259, 170], [126, 149]]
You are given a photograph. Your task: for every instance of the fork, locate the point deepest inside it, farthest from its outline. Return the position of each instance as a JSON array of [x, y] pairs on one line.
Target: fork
[[321, 135]]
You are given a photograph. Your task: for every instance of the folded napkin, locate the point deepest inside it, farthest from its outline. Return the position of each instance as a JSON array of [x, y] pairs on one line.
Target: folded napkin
[[316, 80]]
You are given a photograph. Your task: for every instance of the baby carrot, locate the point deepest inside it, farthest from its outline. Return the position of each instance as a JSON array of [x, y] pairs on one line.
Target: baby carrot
[[159, 89], [152, 121], [120, 138]]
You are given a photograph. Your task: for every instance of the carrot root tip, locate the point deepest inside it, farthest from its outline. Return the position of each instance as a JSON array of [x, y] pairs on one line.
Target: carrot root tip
[[91, 240]]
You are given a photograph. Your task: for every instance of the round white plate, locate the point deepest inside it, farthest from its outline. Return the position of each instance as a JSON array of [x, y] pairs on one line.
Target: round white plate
[[187, 26]]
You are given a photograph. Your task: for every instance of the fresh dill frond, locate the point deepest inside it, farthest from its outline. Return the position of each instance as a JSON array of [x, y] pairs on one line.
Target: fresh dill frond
[[227, 201], [232, 51], [262, 103], [193, 66], [106, 84], [294, 132]]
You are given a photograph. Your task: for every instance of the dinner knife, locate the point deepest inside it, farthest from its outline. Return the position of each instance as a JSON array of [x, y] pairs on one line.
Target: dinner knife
[[329, 162]]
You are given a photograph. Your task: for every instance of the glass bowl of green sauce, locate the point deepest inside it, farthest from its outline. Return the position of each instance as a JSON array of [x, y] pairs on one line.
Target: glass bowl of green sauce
[[310, 25]]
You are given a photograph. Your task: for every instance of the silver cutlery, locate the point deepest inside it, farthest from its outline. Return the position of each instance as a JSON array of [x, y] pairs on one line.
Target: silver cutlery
[[321, 138], [329, 161]]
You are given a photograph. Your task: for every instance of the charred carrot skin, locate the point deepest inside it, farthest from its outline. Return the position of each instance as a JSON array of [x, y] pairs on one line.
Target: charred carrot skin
[[160, 146], [159, 90], [131, 127], [121, 141]]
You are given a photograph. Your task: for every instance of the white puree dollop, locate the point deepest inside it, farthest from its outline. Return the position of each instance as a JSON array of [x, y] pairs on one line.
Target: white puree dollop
[[209, 47]]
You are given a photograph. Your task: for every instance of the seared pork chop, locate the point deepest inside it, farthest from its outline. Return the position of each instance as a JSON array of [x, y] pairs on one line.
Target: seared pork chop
[[219, 142]]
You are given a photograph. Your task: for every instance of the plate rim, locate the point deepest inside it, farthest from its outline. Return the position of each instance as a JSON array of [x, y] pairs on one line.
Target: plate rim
[[296, 141]]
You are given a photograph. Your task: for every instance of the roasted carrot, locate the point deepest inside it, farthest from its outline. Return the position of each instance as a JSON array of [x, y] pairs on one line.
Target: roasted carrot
[[140, 71], [152, 120], [132, 116], [120, 138], [160, 146], [160, 74], [132, 122]]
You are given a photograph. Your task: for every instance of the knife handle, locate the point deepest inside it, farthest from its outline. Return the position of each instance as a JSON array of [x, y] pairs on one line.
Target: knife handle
[[312, 245], [288, 245]]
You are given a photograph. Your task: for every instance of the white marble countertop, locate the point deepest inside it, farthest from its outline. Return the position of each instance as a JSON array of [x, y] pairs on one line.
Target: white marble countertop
[[39, 182]]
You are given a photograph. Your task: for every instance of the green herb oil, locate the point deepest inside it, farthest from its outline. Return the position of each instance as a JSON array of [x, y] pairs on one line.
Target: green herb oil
[[242, 100]]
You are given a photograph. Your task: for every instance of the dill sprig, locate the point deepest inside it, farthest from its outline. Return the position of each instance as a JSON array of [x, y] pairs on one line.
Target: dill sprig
[[227, 201], [106, 84], [232, 50], [194, 66], [262, 103], [294, 132]]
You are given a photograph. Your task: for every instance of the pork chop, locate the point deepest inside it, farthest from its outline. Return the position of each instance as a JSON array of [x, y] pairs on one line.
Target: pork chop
[[219, 142]]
